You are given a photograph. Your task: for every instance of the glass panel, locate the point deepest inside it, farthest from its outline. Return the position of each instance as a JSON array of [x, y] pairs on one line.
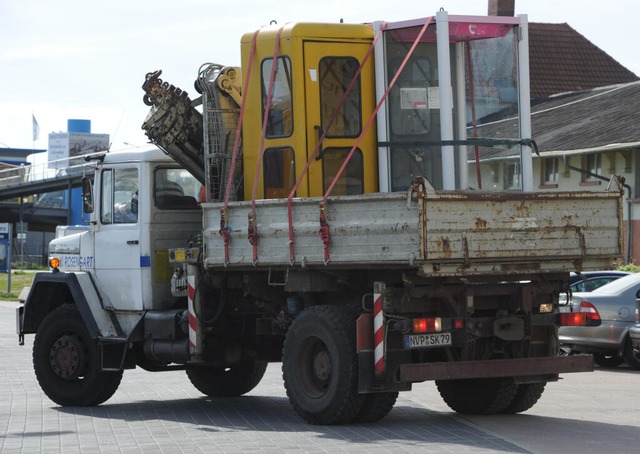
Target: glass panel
[[351, 182], [491, 89], [279, 172], [336, 73], [176, 189], [512, 175], [106, 205], [409, 97], [280, 122], [413, 109]]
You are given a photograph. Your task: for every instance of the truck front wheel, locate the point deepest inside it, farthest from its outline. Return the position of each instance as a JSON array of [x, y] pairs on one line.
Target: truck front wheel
[[320, 365], [66, 361], [233, 381]]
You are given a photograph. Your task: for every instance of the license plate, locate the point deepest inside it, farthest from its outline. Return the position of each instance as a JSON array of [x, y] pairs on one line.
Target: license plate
[[427, 340]]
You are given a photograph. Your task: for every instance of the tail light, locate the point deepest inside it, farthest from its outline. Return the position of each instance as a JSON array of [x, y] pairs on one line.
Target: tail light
[[587, 315], [435, 324], [593, 316], [427, 325]]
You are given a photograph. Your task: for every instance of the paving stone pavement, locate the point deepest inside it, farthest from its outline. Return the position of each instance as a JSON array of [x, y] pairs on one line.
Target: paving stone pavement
[[163, 413]]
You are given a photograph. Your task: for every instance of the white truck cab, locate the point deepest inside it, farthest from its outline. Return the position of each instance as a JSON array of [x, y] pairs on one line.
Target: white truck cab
[[140, 204]]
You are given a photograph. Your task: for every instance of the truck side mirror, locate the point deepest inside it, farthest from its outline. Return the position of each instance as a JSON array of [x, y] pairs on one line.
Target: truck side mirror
[[87, 195]]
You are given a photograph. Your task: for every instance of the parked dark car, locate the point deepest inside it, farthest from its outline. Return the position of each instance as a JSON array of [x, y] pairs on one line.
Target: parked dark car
[[614, 304]]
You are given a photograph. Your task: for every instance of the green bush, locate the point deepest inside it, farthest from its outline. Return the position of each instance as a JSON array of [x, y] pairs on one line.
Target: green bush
[[631, 267]]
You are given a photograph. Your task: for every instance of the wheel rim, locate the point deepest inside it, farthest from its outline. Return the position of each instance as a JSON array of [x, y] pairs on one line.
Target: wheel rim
[[67, 357], [316, 373]]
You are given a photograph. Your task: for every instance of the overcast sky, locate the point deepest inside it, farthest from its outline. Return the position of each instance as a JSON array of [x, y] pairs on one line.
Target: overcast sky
[[68, 59]]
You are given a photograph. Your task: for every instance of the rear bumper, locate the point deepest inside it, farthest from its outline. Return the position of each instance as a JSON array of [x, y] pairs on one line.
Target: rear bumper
[[521, 367], [608, 336]]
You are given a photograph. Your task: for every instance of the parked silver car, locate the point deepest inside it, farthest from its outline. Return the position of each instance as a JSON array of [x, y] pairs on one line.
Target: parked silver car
[[588, 281], [634, 332], [614, 304]]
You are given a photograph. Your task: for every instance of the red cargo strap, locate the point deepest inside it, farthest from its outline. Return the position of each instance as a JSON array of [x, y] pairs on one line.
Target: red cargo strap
[[224, 228], [253, 226], [324, 233]]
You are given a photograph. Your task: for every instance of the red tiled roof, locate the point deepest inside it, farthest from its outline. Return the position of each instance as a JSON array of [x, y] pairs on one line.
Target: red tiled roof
[[562, 60]]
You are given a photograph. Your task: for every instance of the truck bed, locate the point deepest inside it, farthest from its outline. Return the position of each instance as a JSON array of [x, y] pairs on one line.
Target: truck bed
[[444, 233]]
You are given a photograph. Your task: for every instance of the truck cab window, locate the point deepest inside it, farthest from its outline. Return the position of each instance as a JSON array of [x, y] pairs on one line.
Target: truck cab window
[[119, 196], [175, 189]]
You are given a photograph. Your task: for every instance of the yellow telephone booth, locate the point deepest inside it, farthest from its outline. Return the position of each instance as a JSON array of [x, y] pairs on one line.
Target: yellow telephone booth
[[318, 102]]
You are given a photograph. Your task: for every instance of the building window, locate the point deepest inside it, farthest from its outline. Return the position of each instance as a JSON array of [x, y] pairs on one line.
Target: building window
[[592, 165], [550, 171], [512, 175]]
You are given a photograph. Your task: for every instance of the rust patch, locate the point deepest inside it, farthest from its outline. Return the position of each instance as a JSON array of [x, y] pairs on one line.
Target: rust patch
[[445, 246], [481, 224]]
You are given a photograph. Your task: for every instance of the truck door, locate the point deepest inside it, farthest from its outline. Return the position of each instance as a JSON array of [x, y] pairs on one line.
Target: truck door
[[118, 259], [330, 68]]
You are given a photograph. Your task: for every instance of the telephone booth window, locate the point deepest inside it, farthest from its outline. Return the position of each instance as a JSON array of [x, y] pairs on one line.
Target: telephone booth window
[[336, 73], [279, 172], [351, 181], [280, 121]]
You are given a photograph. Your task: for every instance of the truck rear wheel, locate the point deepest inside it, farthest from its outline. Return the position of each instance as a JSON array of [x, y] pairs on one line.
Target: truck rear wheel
[[320, 365], [479, 396], [526, 397], [233, 381], [66, 361], [376, 406]]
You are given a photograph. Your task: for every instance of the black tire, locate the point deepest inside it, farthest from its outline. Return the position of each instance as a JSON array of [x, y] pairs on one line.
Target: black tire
[[526, 397], [233, 381], [631, 355], [609, 361], [376, 406], [320, 365], [66, 361], [479, 396]]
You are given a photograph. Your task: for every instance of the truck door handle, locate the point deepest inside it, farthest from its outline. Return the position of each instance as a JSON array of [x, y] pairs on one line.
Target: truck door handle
[[132, 242]]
